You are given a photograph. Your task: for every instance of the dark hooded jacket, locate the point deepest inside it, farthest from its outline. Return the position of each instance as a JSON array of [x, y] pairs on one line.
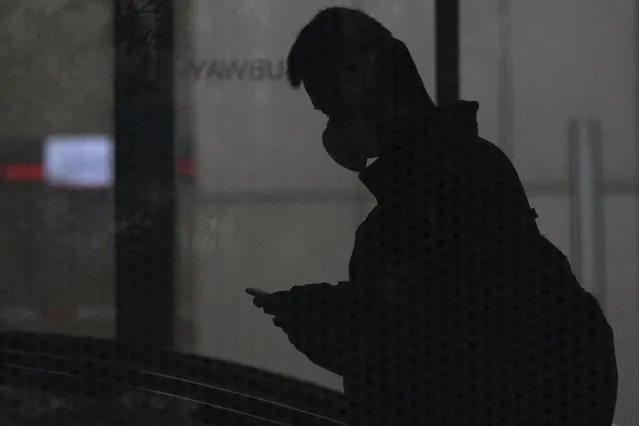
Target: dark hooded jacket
[[457, 310]]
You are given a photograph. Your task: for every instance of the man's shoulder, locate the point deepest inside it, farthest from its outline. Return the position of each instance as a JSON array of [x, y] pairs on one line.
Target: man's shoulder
[[496, 168], [465, 156], [493, 153]]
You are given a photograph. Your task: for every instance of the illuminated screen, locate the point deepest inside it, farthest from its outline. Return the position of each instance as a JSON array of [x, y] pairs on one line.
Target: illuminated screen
[[79, 161]]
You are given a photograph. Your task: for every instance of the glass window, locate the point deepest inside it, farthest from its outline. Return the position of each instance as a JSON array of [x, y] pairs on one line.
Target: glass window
[[56, 106], [268, 207]]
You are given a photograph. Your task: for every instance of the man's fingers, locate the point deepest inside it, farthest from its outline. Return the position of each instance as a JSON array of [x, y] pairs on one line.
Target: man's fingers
[[258, 296]]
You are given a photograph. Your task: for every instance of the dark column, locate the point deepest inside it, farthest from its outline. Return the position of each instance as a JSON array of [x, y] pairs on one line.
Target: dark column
[[144, 172], [447, 50]]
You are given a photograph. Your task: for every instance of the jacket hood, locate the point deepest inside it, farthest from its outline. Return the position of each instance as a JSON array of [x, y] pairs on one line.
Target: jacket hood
[[461, 115], [417, 138]]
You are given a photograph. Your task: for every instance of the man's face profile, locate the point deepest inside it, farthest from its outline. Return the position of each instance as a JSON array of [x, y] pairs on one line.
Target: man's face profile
[[327, 97]]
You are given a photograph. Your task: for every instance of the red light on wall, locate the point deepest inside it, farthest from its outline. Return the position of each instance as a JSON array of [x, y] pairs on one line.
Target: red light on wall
[[22, 172], [35, 172]]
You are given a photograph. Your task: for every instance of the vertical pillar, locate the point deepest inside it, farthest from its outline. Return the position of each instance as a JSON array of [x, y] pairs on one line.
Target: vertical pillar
[[587, 205]]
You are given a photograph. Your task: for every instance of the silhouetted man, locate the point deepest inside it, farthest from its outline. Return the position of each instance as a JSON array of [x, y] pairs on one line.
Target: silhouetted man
[[458, 311]]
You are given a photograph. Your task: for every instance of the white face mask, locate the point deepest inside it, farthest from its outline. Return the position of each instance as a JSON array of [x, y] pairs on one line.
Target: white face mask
[[350, 143]]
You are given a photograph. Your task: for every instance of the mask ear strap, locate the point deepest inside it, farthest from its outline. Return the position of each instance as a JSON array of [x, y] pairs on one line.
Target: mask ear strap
[[353, 82]]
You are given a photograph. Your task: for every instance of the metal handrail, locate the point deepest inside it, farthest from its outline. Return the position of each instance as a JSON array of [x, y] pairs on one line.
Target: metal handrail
[[80, 365]]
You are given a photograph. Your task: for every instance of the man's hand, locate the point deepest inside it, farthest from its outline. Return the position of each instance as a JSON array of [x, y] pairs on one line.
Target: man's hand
[[259, 296]]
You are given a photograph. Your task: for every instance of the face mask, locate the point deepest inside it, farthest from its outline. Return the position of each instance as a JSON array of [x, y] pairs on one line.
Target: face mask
[[349, 143]]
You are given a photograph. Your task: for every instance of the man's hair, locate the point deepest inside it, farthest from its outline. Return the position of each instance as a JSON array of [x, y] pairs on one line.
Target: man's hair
[[335, 37]]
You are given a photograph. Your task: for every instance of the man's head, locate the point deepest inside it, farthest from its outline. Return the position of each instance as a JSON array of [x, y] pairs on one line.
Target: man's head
[[332, 56], [358, 75]]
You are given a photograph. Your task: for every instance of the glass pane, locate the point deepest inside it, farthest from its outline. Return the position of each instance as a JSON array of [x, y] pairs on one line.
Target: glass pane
[[621, 302], [268, 207], [535, 66], [56, 107]]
